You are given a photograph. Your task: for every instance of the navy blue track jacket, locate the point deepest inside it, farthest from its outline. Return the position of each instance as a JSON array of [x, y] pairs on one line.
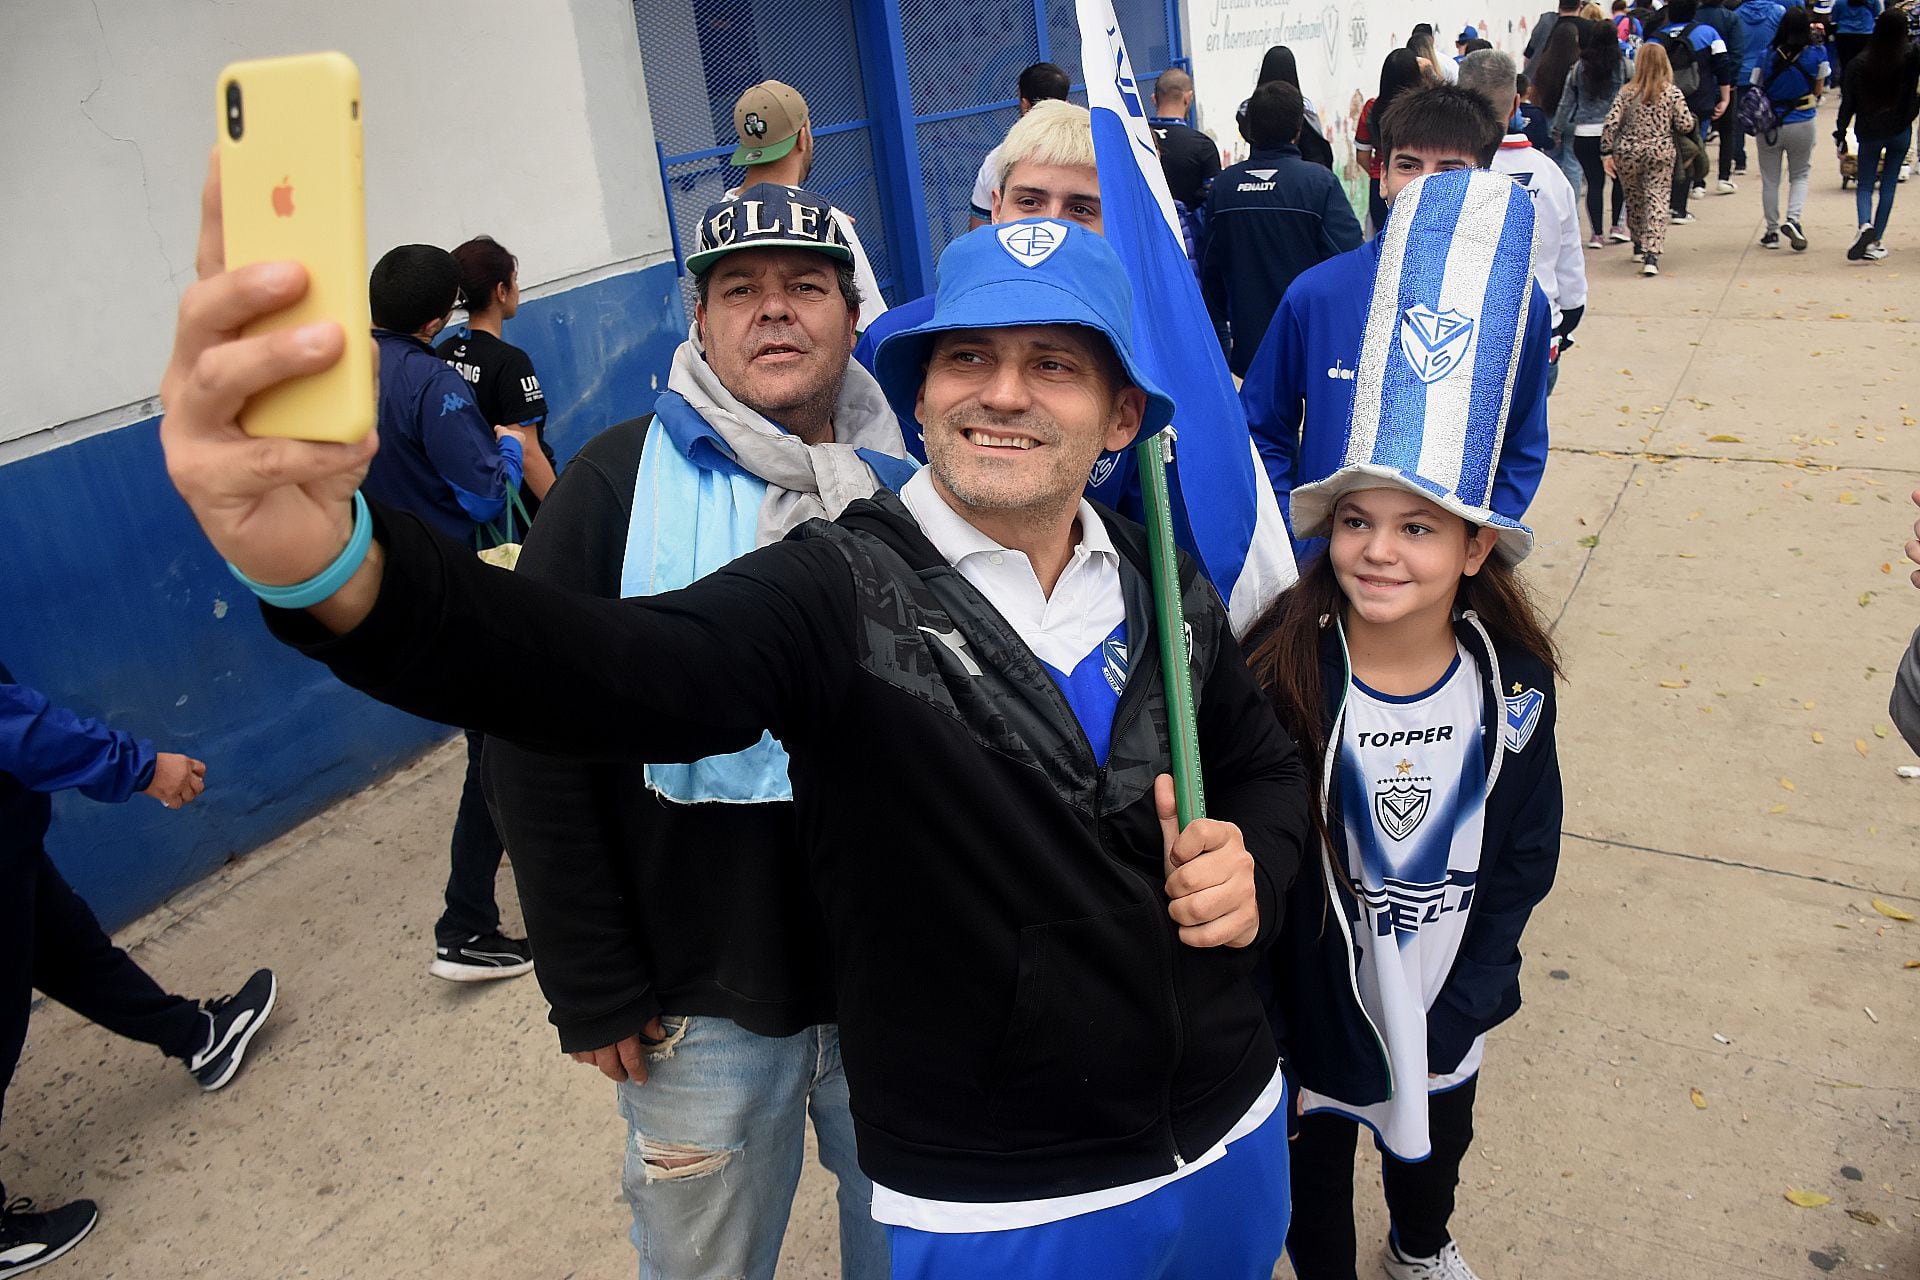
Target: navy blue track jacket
[[1269, 218], [47, 748]]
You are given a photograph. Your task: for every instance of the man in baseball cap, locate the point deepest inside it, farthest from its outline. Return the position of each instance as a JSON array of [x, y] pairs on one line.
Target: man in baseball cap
[[776, 146]]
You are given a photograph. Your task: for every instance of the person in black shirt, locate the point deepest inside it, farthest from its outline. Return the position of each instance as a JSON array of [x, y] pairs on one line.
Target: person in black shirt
[[502, 377], [1189, 157]]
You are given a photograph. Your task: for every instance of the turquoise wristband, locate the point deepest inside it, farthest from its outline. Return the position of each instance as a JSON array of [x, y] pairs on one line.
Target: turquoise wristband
[[304, 595]]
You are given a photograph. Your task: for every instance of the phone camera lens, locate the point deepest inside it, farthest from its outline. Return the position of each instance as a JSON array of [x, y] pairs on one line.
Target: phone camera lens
[[236, 122]]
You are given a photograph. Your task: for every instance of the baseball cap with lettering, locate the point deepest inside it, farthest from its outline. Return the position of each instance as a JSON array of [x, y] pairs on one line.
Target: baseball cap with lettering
[[768, 117], [768, 216]]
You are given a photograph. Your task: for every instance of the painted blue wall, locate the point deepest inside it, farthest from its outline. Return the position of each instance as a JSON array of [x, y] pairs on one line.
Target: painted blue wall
[[112, 603]]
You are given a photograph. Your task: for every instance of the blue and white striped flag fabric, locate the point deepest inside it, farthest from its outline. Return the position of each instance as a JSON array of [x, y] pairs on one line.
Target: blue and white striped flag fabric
[[1445, 328], [1224, 511]]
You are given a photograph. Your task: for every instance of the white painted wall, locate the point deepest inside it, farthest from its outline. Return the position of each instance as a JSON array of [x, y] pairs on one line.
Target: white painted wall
[[1339, 46], [523, 119]]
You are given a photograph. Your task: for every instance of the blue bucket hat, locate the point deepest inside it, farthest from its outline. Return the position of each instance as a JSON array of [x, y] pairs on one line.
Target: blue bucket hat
[[1439, 355], [1035, 271]]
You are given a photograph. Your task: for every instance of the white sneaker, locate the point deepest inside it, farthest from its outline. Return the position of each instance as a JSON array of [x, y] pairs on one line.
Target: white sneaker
[[1726, 187], [1875, 252], [1906, 171], [1445, 1265]]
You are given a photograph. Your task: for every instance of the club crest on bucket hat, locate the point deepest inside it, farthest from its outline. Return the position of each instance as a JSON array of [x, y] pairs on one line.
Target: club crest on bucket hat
[[1033, 272], [768, 119], [768, 216], [1434, 380]]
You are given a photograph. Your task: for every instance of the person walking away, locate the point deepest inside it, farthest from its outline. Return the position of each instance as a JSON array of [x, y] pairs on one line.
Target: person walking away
[[51, 941], [505, 387], [1703, 69], [776, 146], [1536, 123], [681, 949], [1268, 218], [1853, 26], [1542, 34], [1559, 267], [1398, 73], [443, 460], [1441, 70], [1419, 680], [1720, 15], [1592, 85], [1879, 97], [1793, 75], [1041, 82], [1550, 85], [1626, 29], [1279, 64], [1188, 157], [1637, 144]]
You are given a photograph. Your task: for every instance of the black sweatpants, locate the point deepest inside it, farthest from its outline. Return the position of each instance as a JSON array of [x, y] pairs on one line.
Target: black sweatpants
[[50, 940], [1321, 1242], [1593, 166], [475, 861]]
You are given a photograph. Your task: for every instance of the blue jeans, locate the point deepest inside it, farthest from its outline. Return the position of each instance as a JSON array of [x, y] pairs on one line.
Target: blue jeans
[[1880, 158], [715, 1141]]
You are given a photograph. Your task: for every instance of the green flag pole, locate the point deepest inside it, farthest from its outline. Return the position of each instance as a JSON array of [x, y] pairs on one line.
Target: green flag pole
[[1169, 621]]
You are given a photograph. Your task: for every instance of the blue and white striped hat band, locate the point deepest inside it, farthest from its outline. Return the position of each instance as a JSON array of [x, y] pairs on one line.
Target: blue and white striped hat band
[[1434, 377]]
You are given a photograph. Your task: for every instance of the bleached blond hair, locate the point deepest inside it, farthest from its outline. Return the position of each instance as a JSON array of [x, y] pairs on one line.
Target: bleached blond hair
[[1052, 133]]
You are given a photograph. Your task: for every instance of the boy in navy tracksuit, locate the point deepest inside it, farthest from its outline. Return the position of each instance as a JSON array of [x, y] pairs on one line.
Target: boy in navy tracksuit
[[443, 461], [50, 940]]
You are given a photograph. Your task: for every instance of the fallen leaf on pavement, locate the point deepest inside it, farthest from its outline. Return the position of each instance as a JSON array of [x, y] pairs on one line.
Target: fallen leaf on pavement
[[1778, 808], [1879, 731], [1890, 911], [1787, 783], [1807, 1199], [1591, 540], [1862, 1215], [1911, 964], [1725, 439], [1866, 598], [1699, 1098], [1673, 684], [1860, 745], [1807, 705]]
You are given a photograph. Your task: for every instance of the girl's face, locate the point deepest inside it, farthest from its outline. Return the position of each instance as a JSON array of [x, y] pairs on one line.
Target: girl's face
[[1398, 556]]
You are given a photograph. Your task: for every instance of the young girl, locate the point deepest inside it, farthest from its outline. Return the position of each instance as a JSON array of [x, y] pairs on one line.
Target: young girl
[[1636, 145], [504, 384], [1410, 664], [1794, 75]]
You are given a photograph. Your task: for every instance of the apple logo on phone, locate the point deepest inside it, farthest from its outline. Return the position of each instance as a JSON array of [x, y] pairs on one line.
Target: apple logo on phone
[[283, 198]]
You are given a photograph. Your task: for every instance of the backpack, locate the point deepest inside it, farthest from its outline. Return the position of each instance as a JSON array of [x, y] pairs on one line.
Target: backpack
[[1685, 59], [1757, 115], [1628, 31]]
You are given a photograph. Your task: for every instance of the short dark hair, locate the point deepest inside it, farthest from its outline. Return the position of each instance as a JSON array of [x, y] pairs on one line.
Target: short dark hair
[[1475, 46], [1170, 82], [1275, 113], [1042, 81], [412, 286], [1570, 6], [1444, 117], [484, 265], [842, 276], [1520, 83], [1683, 10]]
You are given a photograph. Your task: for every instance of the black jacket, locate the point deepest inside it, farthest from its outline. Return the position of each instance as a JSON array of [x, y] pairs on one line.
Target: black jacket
[[1332, 1045], [1269, 218], [1188, 157], [1886, 114], [1018, 1017], [635, 905]]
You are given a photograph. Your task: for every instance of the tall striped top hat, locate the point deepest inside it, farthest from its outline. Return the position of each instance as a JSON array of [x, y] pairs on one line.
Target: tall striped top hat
[[1434, 378]]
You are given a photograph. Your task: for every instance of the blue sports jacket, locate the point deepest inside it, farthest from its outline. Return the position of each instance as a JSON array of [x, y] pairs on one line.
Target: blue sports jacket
[[47, 748], [438, 456], [1331, 1044], [1855, 17], [1269, 218], [1299, 389], [1759, 19]]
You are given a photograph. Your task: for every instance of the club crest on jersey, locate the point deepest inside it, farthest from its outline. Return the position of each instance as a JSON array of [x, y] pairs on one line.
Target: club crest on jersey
[[1031, 243], [1434, 342], [1113, 663], [1103, 469], [1522, 718], [1401, 807]]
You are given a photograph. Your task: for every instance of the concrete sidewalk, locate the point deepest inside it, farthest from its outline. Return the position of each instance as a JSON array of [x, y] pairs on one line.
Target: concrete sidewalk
[[1720, 541]]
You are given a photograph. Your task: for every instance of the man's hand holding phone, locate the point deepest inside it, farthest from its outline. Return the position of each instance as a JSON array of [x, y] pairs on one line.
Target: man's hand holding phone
[[279, 510]]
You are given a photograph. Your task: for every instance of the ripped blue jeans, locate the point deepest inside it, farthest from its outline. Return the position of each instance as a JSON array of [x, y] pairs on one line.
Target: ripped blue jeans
[[715, 1141]]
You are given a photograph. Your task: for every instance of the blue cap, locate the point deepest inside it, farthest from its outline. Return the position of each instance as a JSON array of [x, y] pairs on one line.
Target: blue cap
[[1035, 271], [1468, 33]]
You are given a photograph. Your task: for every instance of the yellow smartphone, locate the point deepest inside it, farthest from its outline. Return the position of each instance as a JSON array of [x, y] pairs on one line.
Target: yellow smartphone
[[291, 187]]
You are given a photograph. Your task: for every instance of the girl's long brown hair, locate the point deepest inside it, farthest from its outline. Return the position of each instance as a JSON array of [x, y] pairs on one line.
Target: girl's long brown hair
[[1286, 658]]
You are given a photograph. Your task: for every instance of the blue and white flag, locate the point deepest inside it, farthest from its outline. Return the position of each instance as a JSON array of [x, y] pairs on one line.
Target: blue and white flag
[[1224, 512]]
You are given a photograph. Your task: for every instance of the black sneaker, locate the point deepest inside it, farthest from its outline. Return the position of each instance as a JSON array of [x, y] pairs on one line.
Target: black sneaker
[[236, 1019], [482, 958], [1858, 249], [1771, 240], [1795, 236], [29, 1239]]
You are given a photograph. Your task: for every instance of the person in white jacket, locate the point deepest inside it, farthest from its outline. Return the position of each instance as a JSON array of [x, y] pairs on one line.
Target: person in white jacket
[[1559, 263]]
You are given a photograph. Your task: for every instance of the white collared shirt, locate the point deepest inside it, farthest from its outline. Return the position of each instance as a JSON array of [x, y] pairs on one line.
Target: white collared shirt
[[1061, 628]]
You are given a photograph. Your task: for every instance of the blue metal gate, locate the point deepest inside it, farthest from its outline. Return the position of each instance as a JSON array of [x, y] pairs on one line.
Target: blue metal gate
[[906, 99]]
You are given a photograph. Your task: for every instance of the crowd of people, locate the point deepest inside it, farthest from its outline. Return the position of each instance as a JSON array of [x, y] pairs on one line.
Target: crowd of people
[[841, 788]]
